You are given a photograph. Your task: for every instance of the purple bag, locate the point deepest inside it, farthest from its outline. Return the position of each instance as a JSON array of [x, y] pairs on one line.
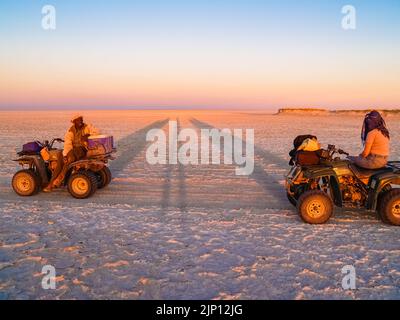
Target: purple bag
[[31, 147]]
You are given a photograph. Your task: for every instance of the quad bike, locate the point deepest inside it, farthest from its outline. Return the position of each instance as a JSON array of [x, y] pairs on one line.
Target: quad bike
[[83, 177], [315, 189]]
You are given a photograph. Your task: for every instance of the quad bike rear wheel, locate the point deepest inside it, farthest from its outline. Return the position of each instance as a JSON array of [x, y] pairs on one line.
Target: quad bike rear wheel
[[389, 209], [26, 183], [104, 177], [82, 185], [315, 207]]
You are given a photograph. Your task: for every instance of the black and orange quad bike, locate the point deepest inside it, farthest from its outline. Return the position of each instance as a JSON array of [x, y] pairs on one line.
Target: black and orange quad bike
[[316, 189]]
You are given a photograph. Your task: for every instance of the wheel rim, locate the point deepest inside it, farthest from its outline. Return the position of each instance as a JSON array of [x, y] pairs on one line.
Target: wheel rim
[[396, 209], [80, 186], [316, 209], [24, 183]]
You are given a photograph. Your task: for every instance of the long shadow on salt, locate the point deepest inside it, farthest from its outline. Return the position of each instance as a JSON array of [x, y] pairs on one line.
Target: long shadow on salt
[[266, 181], [131, 147]]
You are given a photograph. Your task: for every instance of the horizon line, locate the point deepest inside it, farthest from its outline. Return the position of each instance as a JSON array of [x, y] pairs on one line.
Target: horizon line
[[188, 108]]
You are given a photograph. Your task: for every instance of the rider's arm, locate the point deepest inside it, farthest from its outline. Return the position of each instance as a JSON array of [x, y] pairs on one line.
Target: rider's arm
[[91, 130], [68, 146], [368, 143]]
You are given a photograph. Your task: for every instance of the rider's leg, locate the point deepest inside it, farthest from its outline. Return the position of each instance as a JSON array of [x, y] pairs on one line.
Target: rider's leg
[[59, 175], [74, 155], [55, 174], [370, 162], [57, 169], [60, 178], [79, 153]]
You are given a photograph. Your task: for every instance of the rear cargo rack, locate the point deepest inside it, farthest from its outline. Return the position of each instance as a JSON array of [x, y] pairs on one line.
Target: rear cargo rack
[[394, 164]]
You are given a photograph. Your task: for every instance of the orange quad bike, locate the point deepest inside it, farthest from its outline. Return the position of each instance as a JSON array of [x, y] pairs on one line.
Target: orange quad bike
[[39, 160]]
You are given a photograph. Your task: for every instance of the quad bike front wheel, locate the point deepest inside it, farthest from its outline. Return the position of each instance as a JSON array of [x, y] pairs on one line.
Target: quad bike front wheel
[[26, 183], [315, 207], [82, 185], [104, 177], [389, 209]]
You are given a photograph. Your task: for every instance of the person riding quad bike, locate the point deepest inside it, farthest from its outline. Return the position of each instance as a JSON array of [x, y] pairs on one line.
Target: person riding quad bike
[[75, 148], [319, 180], [81, 165], [375, 138]]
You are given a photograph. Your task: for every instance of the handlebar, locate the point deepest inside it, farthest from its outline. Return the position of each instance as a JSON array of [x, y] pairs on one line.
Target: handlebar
[[59, 140], [332, 150], [49, 145]]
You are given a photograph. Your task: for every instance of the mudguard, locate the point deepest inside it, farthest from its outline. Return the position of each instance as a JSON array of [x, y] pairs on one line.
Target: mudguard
[[37, 162], [94, 165], [318, 171], [377, 183], [313, 172]]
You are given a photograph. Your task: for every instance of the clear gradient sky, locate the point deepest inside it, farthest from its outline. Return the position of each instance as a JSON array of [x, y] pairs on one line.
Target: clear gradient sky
[[200, 54]]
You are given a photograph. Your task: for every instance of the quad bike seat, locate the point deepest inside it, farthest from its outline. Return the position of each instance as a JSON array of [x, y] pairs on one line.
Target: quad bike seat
[[363, 173]]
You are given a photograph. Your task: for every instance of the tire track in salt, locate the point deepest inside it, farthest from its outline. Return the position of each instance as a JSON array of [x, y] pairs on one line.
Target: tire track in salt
[[181, 199], [132, 145], [267, 181]]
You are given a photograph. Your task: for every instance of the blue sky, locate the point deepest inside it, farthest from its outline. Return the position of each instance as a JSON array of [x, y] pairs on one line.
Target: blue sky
[[220, 53]]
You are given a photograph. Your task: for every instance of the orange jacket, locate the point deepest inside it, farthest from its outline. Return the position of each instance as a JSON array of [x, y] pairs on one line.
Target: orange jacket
[[73, 137]]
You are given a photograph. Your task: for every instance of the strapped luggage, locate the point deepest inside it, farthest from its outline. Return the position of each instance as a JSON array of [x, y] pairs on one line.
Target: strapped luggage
[[31, 148], [307, 158], [304, 158]]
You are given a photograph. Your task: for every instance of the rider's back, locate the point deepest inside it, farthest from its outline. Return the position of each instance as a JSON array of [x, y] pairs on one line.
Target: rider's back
[[377, 143]]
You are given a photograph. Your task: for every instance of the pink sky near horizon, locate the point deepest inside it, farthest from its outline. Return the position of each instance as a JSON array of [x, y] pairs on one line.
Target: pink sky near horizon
[[66, 86], [93, 79]]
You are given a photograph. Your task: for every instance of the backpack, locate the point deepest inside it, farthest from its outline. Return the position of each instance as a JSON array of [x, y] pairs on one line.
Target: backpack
[[298, 141]]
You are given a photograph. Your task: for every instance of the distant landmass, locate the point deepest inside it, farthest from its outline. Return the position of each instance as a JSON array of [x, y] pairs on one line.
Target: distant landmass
[[317, 111]]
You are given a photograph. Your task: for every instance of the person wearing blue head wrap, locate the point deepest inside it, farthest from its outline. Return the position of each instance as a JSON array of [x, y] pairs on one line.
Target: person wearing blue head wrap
[[375, 138], [372, 121]]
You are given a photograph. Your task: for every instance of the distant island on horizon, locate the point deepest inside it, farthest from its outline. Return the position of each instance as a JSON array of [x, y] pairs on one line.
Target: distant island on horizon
[[320, 111]]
